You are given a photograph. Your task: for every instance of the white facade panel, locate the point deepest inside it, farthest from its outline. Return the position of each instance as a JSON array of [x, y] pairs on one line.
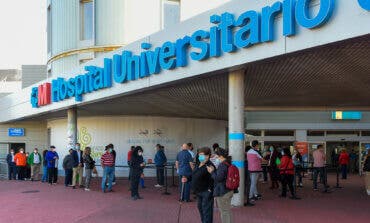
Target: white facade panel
[[123, 132], [190, 8]]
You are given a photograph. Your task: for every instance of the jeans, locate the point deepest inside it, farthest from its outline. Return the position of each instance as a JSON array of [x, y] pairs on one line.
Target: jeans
[[68, 178], [21, 171], [12, 171], [344, 171], [299, 174], [316, 172], [253, 188], [107, 173], [287, 180], [264, 168], [185, 189], [114, 174], [52, 175], [160, 175], [134, 183], [224, 204], [44, 174], [88, 173], [205, 206]]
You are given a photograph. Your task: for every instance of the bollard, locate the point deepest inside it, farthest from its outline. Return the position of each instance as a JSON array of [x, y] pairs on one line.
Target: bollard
[[165, 182]]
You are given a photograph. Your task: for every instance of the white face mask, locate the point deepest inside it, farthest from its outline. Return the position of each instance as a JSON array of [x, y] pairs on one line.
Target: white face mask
[[22, 152], [35, 151], [12, 152], [140, 153]]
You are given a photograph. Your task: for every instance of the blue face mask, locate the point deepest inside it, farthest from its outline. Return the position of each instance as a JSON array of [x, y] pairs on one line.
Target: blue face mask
[[271, 149], [202, 158]]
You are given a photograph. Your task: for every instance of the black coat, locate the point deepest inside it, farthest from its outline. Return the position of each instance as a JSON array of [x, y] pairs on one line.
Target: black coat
[[9, 160], [68, 162], [89, 162], [367, 164], [75, 157], [135, 162], [201, 179]]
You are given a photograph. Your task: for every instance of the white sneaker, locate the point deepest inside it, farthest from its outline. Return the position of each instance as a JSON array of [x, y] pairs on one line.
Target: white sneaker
[[157, 185], [87, 189], [368, 192], [113, 183]]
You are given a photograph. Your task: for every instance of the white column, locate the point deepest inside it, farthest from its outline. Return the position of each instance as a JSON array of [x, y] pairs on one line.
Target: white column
[[236, 129], [71, 128], [301, 135]]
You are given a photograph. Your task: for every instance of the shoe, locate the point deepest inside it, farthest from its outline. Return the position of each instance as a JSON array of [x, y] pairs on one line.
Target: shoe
[[110, 191], [252, 199], [74, 187], [87, 189], [258, 196], [113, 183], [54, 183], [248, 204], [157, 185], [134, 198], [138, 197], [295, 198], [315, 189]]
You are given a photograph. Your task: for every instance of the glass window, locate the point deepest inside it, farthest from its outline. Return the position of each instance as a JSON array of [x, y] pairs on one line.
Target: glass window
[[87, 16], [316, 133], [48, 27], [253, 132], [279, 133], [365, 133], [343, 133]]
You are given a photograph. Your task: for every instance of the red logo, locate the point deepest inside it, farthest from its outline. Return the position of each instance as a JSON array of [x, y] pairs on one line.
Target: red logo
[[43, 96]]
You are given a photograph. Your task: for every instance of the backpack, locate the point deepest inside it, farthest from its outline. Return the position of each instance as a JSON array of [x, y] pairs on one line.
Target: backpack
[[233, 178]]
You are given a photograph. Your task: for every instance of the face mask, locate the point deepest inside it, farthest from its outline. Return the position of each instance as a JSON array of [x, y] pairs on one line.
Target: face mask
[[140, 153], [271, 149], [35, 151], [282, 153], [110, 150], [202, 158], [77, 147], [217, 161], [22, 152], [12, 152], [53, 150]]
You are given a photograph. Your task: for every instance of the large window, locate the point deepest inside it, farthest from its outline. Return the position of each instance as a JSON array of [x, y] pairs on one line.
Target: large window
[[48, 27], [87, 19]]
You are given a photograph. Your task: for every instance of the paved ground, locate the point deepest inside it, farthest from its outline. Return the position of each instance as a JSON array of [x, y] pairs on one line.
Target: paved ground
[[60, 204]]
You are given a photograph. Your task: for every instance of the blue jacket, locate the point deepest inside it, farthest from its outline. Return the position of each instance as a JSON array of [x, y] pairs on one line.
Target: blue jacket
[[160, 158], [50, 158], [220, 176]]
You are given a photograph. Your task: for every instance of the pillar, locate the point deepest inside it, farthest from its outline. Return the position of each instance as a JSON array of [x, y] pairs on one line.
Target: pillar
[[236, 129], [71, 128]]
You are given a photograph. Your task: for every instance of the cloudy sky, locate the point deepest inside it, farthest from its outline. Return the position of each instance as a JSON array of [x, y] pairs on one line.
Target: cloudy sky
[[22, 33]]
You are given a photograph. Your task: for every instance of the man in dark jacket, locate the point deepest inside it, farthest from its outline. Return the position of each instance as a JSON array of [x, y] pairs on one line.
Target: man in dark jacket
[[160, 161], [78, 166], [12, 168], [68, 164]]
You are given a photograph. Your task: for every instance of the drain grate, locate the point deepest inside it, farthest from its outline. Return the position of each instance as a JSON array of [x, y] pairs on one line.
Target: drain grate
[[30, 191]]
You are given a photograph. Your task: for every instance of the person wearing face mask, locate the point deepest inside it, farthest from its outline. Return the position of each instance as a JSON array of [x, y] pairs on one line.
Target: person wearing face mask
[[202, 185], [89, 167], [160, 161], [184, 165], [12, 168], [20, 160], [254, 167], [297, 161], [78, 167], [68, 163], [272, 168], [137, 166], [52, 159], [287, 174], [34, 160], [44, 167], [107, 163]]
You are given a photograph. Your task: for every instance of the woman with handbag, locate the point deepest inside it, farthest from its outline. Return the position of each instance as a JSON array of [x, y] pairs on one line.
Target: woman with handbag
[[89, 167]]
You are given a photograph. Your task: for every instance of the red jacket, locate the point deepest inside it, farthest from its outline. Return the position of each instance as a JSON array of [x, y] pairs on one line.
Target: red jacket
[[286, 166], [343, 158]]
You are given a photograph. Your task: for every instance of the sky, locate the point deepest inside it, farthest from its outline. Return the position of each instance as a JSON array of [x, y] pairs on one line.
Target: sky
[[22, 33]]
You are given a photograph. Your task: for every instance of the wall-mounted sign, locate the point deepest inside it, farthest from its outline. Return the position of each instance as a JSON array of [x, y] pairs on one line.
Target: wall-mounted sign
[[346, 115], [15, 132]]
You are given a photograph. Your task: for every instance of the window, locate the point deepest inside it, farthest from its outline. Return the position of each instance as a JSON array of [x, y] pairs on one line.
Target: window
[[279, 133], [316, 133], [48, 27], [365, 133], [87, 18], [343, 133]]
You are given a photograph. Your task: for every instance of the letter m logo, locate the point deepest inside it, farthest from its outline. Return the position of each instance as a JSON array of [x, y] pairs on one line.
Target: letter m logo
[[44, 93]]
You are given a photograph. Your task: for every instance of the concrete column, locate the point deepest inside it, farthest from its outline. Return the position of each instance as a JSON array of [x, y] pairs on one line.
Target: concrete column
[[71, 128], [301, 135], [236, 129]]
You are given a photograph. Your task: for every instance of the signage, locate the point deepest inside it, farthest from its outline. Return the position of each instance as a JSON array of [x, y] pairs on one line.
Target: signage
[[15, 132], [227, 35], [302, 148], [346, 115]]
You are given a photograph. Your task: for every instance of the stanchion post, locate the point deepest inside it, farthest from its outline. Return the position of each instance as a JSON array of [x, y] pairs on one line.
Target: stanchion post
[[165, 181], [294, 180], [337, 184], [173, 175]]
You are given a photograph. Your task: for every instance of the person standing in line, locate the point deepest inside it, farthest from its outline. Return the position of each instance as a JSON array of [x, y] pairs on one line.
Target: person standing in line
[[44, 167], [52, 159], [287, 174], [222, 194], [20, 160], [34, 160], [214, 158], [272, 166], [137, 165], [89, 166], [78, 166], [254, 167], [191, 149], [366, 170], [202, 184], [184, 165], [247, 178], [12, 168], [111, 146], [68, 163], [129, 155], [107, 163], [343, 162], [28, 168], [265, 161], [318, 165], [297, 161], [160, 161], [353, 161]]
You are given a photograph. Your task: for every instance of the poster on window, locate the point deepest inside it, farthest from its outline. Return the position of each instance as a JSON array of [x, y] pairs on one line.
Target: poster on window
[[302, 148]]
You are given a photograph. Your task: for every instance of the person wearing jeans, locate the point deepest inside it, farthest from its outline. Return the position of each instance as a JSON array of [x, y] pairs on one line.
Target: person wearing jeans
[[12, 168], [44, 167], [254, 167], [343, 162], [68, 163], [318, 165], [52, 159], [107, 163], [89, 166]]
